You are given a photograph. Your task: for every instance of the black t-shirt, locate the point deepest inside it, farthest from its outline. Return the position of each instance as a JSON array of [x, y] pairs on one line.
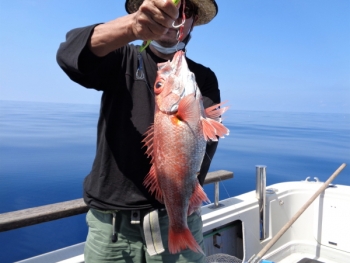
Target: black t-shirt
[[127, 110]]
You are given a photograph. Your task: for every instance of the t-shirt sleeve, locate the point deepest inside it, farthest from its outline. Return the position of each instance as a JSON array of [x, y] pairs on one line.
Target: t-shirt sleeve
[[81, 65], [210, 89]]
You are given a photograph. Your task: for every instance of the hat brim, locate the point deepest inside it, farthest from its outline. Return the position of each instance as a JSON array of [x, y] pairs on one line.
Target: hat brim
[[207, 9]]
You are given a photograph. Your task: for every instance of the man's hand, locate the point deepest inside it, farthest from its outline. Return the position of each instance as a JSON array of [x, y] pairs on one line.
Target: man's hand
[[154, 18]]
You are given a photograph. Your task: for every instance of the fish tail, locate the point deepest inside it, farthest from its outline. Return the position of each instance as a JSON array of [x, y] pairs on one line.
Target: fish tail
[[183, 239]]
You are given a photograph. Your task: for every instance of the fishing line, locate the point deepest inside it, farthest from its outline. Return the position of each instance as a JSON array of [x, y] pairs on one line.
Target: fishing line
[[207, 155], [148, 87], [222, 182]]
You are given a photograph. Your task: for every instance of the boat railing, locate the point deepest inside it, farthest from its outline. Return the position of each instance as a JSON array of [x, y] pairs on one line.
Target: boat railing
[[46, 213]]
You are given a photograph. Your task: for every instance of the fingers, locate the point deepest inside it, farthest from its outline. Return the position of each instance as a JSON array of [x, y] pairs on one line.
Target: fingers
[[163, 12], [154, 18]]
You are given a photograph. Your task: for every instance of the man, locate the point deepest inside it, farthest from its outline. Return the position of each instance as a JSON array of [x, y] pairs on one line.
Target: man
[[100, 57]]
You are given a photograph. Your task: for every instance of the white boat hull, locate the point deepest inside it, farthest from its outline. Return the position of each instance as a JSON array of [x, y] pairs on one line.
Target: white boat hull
[[320, 233]]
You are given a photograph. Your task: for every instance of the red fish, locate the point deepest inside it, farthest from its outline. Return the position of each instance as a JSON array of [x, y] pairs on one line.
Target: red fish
[[176, 143]]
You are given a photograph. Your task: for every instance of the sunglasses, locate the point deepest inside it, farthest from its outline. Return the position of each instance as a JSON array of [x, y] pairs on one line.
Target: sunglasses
[[191, 9]]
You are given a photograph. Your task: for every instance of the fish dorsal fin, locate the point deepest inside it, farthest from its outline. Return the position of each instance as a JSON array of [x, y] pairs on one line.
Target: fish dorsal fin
[[151, 182], [212, 127], [148, 141]]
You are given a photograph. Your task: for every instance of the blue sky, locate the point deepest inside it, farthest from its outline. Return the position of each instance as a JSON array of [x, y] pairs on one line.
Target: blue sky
[[279, 55]]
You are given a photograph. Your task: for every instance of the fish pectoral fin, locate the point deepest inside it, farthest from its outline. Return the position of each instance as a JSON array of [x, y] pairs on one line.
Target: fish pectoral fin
[[198, 196], [187, 111], [151, 182]]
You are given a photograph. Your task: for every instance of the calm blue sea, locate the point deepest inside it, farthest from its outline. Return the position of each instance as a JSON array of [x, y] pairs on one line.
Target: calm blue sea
[[47, 149]]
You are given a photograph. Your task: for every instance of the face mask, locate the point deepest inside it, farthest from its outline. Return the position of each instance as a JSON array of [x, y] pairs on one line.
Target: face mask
[[168, 50]]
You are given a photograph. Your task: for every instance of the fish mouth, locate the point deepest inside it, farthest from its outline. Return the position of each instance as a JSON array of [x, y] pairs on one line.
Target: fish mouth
[[176, 64], [177, 61], [182, 84], [179, 64]]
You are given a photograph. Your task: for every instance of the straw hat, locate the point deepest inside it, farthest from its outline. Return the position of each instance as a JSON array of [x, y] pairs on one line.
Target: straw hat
[[207, 9]]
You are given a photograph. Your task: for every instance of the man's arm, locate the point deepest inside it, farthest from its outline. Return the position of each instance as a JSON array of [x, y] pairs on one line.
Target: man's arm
[[152, 20], [87, 55]]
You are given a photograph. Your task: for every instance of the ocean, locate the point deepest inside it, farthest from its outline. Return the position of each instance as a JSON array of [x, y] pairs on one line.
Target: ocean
[[46, 150]]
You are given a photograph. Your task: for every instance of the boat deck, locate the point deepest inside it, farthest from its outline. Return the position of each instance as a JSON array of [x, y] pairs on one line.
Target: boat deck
[[300, 258]]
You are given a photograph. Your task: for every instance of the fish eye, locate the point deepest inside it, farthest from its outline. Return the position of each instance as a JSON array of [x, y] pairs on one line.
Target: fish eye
[[158, 85]]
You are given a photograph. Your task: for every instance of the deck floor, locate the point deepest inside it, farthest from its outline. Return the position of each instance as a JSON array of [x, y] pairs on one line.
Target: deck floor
[[303, 258]]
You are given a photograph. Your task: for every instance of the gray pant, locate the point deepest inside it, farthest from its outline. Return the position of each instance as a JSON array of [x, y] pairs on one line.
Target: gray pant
[[131, 245]]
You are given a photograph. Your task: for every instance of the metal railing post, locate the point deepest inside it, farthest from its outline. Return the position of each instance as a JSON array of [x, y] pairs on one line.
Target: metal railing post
[[216, 191], [261, 196]]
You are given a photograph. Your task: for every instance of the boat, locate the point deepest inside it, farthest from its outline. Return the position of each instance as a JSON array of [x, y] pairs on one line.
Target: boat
[[299, 221]]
